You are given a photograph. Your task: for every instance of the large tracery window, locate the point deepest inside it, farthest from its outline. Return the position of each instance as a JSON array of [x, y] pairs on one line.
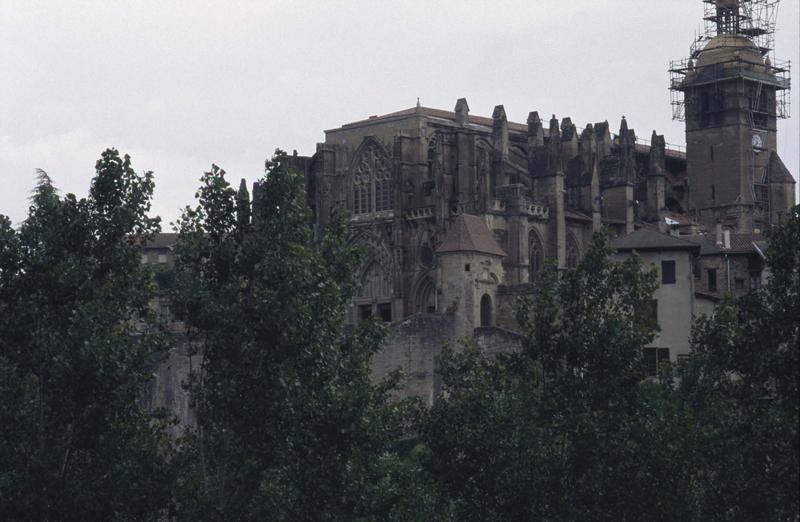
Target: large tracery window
[[535, 254], [372, 181], [362, 194]]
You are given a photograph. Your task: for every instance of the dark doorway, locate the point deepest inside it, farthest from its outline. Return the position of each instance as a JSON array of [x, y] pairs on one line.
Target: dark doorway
[[486, 310]]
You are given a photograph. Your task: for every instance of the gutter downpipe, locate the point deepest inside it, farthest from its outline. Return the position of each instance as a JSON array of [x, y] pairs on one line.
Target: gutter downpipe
[[728, 262]]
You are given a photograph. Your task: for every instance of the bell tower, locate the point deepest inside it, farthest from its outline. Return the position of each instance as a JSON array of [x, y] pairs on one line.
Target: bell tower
[[730, 92]]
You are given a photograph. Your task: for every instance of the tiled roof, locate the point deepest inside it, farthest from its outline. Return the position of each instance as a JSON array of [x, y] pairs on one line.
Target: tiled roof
[[641, 148], [470, 234], [743, 243], [681, 219], [740, 243], [778, 173], [439, 113], [649, 239], [164, 240], [600, 128], [576, 215], [706, 243]]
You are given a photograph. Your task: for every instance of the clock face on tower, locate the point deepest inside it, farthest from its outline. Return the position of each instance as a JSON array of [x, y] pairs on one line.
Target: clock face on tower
[[757, 141]]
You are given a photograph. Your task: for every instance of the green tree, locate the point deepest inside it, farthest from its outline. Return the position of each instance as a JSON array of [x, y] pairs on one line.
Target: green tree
[[739, 393], [289, 424], [568, 428], [74, 442]]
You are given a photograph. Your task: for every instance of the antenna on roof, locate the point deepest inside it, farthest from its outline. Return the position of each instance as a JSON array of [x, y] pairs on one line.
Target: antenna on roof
[[418, 105]]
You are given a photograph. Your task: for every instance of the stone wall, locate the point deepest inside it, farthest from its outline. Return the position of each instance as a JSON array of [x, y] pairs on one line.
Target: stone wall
[[412, 346], [492, 341], [167, 387]]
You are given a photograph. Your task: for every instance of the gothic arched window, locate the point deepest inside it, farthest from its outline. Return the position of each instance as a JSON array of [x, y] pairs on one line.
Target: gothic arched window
[[372, 181], [362, 194], [573, 254], [535, 254]]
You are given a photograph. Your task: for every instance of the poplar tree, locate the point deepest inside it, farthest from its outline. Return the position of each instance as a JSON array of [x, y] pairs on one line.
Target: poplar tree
[[289, 423], [739, 393], [77, 344], [565, 428]]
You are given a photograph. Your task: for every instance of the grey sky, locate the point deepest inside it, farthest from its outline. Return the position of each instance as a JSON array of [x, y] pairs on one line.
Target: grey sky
[[179, 85]]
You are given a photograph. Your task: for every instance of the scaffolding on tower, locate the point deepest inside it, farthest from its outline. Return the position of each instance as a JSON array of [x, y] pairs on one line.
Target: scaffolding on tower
[[753, 19]]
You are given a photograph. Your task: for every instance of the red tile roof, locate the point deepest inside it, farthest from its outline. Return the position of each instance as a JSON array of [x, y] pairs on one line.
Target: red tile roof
[[743, 243], [438, 113], [681, 219], [641, 148]]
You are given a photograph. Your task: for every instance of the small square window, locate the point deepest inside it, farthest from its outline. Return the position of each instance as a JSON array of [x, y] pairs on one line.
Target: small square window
[[364, 312], [738, 284], [466, 267], [162, 258], [668, 272]]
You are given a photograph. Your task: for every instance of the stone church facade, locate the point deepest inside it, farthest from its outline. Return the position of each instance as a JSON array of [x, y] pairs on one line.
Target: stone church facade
[[458, 212], [525, 193]]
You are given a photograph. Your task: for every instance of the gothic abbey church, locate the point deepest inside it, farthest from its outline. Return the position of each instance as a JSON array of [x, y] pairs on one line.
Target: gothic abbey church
[[458, 212]]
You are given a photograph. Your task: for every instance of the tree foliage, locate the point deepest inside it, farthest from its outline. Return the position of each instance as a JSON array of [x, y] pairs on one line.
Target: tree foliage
[[74, 442], [570, 429], [560, 430], [289, 424], [739, 393]]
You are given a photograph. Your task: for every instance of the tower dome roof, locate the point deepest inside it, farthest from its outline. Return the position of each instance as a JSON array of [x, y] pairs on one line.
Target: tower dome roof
[[727, 48]]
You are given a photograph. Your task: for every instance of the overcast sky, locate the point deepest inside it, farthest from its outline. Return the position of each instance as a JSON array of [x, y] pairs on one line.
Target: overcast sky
[[181, 85]]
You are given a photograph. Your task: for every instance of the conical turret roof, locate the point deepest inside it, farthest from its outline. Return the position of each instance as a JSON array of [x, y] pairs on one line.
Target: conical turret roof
[[470, 234]]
